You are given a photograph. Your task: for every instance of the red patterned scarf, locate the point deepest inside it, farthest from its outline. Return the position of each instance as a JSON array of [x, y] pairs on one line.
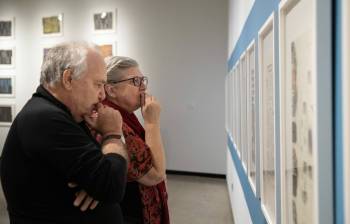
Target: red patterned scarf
[[131, 120]]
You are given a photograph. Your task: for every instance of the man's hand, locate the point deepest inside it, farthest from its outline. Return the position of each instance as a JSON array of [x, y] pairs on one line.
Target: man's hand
[[105, 120], [83, 200]]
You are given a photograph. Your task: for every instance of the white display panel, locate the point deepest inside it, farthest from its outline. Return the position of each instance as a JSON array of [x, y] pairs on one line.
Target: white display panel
[[251, 114], [346, 104], [298, 111], [267, 119], [243, 106]]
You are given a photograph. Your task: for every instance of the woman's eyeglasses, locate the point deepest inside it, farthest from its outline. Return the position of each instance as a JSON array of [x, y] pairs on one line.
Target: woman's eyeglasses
[[137, 81]]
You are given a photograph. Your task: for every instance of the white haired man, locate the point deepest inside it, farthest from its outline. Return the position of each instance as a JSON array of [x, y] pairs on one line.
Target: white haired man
[[49, 146]]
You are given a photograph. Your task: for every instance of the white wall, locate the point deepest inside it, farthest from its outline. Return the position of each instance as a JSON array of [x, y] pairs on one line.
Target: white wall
[[238, 13], [181, 44]]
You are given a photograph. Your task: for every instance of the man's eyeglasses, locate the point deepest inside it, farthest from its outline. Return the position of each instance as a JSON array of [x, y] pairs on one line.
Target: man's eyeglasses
[[137, 81]]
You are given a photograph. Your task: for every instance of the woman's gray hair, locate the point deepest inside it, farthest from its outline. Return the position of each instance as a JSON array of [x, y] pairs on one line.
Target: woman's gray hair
[[69, 55], [117, 64]]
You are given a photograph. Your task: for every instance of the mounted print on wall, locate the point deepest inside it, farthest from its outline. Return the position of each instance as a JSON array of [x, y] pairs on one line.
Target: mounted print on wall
[[346, 105], [7, 28], [7, 113], [53, 25], [298, 111], [107, 49], [243, 106], [251, 114], [104, 22], [267, 119], [7, 87], [7, 58]]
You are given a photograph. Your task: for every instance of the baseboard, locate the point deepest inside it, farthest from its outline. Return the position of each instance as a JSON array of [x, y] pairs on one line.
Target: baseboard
[[187, 173]]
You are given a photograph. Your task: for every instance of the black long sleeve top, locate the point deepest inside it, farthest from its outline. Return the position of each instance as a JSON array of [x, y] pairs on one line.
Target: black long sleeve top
[[45, 150]]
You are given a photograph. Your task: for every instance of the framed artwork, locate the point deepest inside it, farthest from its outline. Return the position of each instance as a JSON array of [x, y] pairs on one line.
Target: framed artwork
[[267, 119], [298, 111], [7, 28], [107, 49], [52, 25], [243, 106], [234, 105], [251, 114], [7, 58], [226, 102], [7, 113], [238, 106], [105, 22], [7, 86], [231, 106], [346, 104]]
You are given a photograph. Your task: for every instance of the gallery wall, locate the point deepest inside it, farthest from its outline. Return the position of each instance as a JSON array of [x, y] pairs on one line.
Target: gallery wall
[[284, 163], [180, 46]]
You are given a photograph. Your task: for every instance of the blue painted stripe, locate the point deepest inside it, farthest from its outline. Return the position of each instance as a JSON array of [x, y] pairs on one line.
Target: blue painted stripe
[[253, 203], [338, 130], [259, 13]]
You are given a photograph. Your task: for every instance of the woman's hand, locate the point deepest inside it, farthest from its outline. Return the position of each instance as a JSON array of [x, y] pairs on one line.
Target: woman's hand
[[150, 109]]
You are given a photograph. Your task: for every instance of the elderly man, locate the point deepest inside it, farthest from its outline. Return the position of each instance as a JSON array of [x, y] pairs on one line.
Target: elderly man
[[49, 148]]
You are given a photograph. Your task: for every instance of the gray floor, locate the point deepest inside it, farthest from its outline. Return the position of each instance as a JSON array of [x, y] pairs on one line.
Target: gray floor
[[192, 200]]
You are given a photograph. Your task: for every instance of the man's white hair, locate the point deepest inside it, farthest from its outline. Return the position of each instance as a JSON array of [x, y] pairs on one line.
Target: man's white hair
[[68, 55]]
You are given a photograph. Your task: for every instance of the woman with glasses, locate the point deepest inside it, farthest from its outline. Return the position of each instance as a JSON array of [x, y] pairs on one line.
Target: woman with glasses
[[145, 199]]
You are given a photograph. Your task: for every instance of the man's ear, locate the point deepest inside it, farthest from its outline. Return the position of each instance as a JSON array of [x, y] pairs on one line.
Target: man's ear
[[67, 79]]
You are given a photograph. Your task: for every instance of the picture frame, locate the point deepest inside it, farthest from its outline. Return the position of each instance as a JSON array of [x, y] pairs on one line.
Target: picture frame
[[239, 114], [7, 114], [231, 106], [7, 57], [346, 104], [107, 48], [233, 99], [227, 96], [104, 21], [306, 111], [52, 25], [7, 28], [251, 115], [235, 114], [297, 102], [266, 44], [243, 106], [7, 86]]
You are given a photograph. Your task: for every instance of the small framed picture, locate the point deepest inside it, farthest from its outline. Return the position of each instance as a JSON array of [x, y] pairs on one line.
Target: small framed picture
[[7, 86], [7, 114], [7, 58], [107, 49], [105, 22], [53, 25], [7, 30]]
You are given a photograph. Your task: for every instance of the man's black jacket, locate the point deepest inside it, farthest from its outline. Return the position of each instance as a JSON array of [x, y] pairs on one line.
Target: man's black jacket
[[45, 150]]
